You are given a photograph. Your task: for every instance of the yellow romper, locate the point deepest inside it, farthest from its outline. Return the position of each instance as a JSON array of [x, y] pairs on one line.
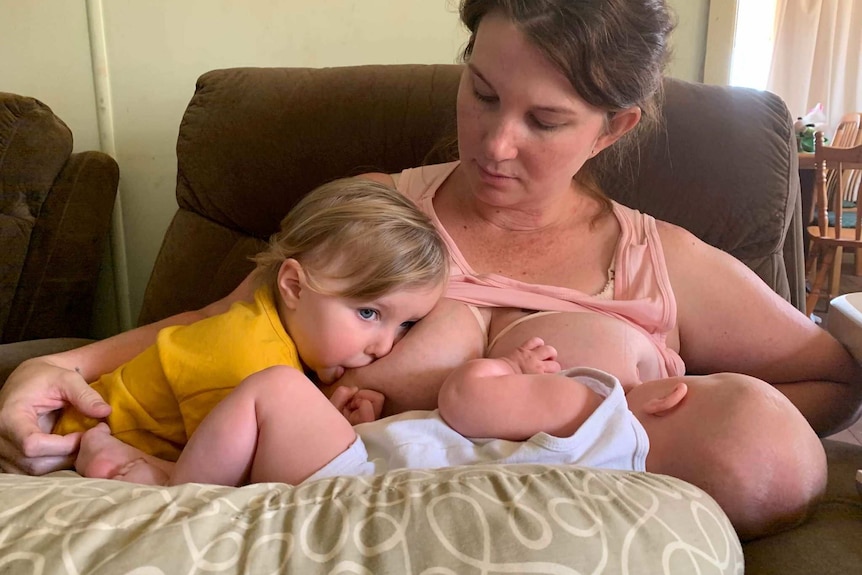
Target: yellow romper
[[161, 396]]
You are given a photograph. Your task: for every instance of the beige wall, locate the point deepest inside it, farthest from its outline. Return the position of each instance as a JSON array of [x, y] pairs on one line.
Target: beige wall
[[149, 53], [689, 39]]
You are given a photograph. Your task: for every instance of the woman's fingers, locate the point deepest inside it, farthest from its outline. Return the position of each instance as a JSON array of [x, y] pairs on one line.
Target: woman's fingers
[[29, 405]]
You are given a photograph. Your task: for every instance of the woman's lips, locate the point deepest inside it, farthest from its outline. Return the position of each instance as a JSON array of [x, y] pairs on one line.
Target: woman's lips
[[492, 175]]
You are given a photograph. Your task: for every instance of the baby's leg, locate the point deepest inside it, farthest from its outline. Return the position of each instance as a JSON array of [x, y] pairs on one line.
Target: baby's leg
[[275, 426], [103, 456]]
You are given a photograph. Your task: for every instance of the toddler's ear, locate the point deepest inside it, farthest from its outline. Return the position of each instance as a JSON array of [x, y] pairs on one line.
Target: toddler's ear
[[661, 405], [290, 277]]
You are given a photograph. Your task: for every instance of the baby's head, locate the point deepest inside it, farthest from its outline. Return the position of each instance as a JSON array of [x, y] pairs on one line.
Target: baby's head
[[740, 440], [361, 232]]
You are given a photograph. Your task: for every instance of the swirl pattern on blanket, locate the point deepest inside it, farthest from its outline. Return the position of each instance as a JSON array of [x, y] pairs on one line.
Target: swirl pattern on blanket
[[461, 520]]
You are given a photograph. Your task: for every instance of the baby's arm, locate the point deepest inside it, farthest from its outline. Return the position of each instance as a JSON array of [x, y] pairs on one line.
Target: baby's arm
[[516, 396]]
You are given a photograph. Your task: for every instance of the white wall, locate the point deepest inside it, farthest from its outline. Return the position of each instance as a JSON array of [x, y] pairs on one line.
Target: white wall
[[156, 49]]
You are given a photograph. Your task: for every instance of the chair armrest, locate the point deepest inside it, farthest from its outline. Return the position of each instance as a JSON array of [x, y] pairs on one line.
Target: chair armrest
[[55, 292]]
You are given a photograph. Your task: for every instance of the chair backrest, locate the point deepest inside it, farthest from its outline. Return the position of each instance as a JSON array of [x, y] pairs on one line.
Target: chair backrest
[[847, 131], [254, 140], [847, 135], [839, 165], [55, 214]]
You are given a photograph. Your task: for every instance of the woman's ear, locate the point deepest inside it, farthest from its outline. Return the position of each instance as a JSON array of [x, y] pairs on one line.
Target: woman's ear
[[662, 405], [290, 279], [621, 123]]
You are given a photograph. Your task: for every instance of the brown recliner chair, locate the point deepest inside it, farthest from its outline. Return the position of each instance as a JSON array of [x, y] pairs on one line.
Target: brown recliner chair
[[252, 141], [55, 216]]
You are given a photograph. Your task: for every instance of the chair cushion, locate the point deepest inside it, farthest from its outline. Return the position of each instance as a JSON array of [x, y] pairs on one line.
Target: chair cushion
[[848, 218]]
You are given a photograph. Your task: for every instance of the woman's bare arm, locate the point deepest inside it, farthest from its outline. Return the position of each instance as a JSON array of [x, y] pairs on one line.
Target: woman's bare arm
[[730, 321], [38, 388]]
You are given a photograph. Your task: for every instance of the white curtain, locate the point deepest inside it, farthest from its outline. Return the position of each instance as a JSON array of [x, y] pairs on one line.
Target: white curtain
[[817, 57]]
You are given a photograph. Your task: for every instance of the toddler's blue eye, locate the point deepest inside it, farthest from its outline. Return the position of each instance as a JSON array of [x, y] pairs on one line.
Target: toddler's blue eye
[[367, 313]]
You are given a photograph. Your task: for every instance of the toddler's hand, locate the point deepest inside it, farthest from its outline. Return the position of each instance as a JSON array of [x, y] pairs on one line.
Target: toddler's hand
[[358, 405]]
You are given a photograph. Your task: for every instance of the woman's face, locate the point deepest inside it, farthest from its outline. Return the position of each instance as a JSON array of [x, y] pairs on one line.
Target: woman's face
[[523, 131]]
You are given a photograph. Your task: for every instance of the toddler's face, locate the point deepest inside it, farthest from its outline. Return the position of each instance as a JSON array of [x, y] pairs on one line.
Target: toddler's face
[[334, 333]]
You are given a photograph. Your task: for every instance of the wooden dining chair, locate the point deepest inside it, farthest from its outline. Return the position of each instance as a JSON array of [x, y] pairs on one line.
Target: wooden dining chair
[[847, 135], [828, 237]]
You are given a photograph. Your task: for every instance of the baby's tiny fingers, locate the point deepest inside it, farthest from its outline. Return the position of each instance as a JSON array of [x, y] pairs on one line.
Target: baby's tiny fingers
[[533, 343], [552, 367], [546, 352]]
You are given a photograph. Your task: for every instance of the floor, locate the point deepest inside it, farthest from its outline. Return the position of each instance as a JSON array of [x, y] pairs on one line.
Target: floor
[[850, 283]]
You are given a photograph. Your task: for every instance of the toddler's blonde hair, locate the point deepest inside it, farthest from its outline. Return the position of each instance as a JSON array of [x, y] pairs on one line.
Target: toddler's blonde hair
[[361, 231]]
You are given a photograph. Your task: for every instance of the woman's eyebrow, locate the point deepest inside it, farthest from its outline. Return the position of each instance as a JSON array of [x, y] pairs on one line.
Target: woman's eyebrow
[[476, 72], [549, 109]]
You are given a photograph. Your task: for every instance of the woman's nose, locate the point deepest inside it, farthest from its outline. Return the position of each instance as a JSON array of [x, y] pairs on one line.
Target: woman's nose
[[500, 140]]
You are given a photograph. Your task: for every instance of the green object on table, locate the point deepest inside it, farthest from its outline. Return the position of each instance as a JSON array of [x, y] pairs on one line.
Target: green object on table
[[805, 139]]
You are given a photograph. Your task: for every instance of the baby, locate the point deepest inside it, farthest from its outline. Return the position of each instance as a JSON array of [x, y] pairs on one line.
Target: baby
[[711, 432]]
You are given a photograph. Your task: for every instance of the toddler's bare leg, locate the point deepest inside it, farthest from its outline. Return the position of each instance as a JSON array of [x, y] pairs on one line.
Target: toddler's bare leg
[[276, 426]]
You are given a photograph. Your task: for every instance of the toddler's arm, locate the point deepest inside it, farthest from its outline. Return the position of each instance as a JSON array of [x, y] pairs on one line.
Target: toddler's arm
[[516, 396]]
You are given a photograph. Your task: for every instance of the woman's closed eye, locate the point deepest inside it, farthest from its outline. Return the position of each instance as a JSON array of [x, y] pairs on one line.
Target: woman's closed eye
[[546, 126], [486, 98]]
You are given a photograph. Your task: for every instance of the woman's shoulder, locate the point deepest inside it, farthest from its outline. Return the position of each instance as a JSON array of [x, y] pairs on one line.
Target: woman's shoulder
[[380, 178], [416, 183]]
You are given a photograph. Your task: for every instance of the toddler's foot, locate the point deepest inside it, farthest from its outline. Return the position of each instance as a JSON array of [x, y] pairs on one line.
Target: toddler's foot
[[140, 471], [103, 456]]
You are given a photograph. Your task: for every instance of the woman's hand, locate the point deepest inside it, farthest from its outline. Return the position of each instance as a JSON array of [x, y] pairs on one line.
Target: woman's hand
[[29, 405]]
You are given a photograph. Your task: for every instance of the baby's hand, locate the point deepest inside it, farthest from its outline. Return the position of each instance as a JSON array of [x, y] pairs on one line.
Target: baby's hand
[[358, 405], [534, 356]]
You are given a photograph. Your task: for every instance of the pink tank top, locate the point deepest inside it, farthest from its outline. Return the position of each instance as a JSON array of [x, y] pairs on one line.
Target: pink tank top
[[642, 296]]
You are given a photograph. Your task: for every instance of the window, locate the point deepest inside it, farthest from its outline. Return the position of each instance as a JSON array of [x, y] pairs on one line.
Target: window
[[752, 43]]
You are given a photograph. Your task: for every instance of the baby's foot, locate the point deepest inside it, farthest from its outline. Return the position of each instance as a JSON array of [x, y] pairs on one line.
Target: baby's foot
[[533, 356]]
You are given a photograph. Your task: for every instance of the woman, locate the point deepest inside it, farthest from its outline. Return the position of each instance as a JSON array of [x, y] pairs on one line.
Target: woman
[[551, 92]]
